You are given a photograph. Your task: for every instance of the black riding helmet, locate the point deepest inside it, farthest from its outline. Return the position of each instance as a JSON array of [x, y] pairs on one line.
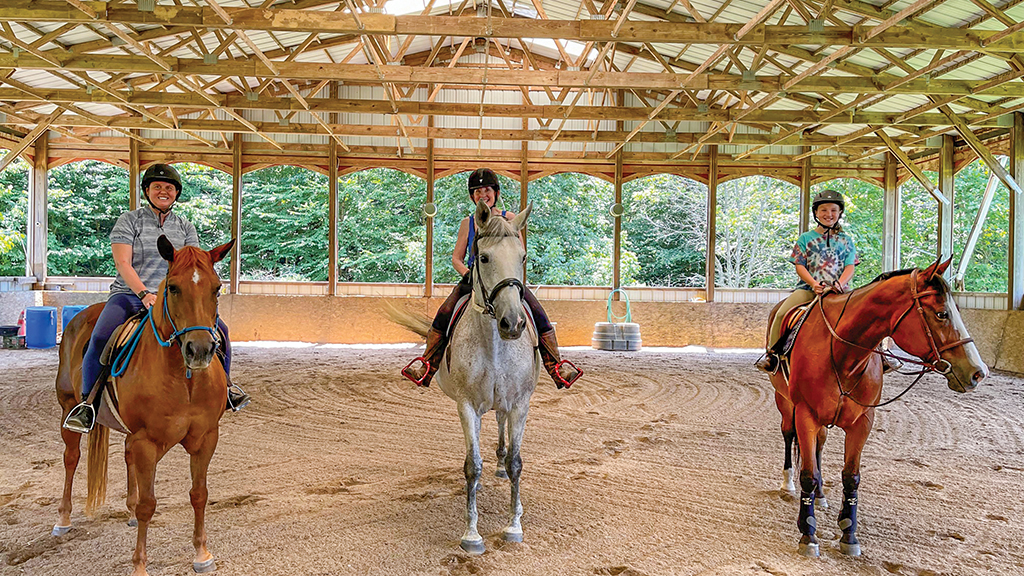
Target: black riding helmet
[[482, 178], [160, 173], [828, 197]]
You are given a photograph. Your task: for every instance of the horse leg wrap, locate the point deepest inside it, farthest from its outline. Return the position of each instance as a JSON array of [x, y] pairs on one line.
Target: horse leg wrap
[[848, 516], [808, 489]]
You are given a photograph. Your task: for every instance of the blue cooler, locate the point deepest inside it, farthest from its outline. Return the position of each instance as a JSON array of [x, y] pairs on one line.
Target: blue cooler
[[67, 313], [40, 327]]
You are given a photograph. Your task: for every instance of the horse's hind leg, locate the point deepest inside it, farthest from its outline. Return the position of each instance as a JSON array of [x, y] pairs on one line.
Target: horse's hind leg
[[788, 437], [514, 464], [856, 436], [502, 418], [72, 453], [822, 436], [473, 468], [204, 561]]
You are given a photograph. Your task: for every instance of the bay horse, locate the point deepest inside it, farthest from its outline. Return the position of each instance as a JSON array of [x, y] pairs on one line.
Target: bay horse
[[835, 375], [166, 396], [491, 365]]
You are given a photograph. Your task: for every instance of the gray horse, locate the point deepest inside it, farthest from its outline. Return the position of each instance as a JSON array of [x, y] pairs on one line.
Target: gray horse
[[490, 364]]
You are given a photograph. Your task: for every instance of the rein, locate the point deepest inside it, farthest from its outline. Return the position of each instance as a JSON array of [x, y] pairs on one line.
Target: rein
[[489, 296], [926, 365]]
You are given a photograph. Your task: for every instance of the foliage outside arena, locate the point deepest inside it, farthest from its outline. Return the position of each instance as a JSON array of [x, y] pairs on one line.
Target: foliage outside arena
[[382, 230]]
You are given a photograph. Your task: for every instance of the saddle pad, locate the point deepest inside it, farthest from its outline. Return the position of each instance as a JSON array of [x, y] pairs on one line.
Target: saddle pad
[[460, 311], [793, 316], [108, 413]]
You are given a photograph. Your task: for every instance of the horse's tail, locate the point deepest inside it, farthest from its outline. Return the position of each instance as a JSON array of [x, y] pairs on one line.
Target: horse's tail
[[416, 322], [99, 448]]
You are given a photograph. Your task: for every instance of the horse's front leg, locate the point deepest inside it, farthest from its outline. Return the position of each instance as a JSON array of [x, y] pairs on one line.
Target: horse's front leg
[[473, 468], [198, 495], [72, 453], [144, 456], [810, 479], [132, 501], [856, 437], [502, 418], [822, 436], [514, 464]]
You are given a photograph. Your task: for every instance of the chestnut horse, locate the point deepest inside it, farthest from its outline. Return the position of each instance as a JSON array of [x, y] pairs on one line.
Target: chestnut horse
[[167, 396], [835, 374]]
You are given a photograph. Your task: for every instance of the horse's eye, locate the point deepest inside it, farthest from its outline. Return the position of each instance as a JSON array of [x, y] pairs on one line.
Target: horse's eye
[[942, 315], [174, 290], [484, 259], [524, 258]]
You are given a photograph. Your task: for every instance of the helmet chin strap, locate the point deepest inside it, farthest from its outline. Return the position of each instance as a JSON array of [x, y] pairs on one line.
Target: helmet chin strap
[[158, 210]]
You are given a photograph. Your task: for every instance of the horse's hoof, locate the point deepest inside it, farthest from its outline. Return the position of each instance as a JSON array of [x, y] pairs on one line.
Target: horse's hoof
[[512, 535], [500, 473], [133, 522], [474, 547], [849, 549], [60, 530], [810, 550], [202, 567]]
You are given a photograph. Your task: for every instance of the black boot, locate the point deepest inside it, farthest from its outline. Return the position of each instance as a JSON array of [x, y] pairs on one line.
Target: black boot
[[82, 418], [237, 398], [563, 372], [429, 362], [768, 363]]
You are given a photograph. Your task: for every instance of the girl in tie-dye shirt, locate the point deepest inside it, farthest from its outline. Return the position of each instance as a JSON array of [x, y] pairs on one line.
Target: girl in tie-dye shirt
[[824, 258]]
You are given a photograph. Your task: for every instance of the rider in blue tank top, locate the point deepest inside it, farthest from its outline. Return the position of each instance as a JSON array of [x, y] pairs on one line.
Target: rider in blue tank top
[[483, 185]]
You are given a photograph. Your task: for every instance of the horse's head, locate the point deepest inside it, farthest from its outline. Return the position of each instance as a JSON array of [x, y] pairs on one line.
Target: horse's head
[[935, 332], [498, 270], [189, 299]]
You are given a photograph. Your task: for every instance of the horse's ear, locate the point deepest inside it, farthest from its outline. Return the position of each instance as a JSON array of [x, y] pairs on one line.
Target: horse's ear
[[217, 254], [482, 215], [937, 269], [165, 247], [519, 222]]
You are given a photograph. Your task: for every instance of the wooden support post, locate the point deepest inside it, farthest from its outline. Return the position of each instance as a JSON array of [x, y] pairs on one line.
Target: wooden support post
[[805, 193], [236, 211], [332, 217], [1015, 281], [133, 172], [890, 216], [709, 267], [617, 241], [428, 290], [38, 227], [524, 186], [945, 237]]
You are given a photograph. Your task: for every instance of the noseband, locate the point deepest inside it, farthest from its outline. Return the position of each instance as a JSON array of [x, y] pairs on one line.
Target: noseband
[[489, 296]]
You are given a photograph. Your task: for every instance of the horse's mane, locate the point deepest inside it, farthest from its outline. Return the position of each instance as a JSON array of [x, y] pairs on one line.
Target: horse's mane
[[893, 274], [191, 256], [497, 227]]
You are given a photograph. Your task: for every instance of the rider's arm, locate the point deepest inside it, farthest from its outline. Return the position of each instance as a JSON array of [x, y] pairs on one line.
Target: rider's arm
[[123, 262], [804, 275], [847, 275], [459, 253]]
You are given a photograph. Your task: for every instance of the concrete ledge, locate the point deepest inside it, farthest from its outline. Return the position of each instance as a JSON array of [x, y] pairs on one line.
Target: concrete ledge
[[999, 335]]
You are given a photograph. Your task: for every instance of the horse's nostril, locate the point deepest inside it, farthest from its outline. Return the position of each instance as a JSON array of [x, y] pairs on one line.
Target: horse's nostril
[[504, 324], [978, 376], [190, 349]]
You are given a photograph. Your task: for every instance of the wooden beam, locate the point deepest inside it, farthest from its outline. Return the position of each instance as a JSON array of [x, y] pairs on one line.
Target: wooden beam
[[133, 173], [944, 248], [617, 232], [38, 225], [912, 167], [1015, 281], [890, 216], [976, 144], [805, 193], [709, 265], [236, 211], [30, 138]]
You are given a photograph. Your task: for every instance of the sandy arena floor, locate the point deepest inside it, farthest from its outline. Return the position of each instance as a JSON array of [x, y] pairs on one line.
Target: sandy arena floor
[[656, 463]]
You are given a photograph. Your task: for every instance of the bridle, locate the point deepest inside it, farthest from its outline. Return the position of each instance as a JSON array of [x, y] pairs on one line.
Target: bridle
[[489, 296], [931, 363]]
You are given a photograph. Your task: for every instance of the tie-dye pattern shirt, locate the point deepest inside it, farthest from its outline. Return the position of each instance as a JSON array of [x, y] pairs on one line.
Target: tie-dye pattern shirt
[[824, 260]]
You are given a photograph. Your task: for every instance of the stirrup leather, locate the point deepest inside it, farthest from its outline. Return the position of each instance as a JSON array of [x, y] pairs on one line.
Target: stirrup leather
[[562, 382], [426, 373], [81, 429]]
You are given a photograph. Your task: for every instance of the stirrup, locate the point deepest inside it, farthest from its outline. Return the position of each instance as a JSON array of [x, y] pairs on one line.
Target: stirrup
[[75, 426], [562, 382], [426, 373], [243, 398]]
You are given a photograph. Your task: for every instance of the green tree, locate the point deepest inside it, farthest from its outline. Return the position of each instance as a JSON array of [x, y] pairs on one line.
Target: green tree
[[85, 200], [206, 203], [918, 224], [663, 231], [988, 269], [13, 217], [284, 225], [757, 224]]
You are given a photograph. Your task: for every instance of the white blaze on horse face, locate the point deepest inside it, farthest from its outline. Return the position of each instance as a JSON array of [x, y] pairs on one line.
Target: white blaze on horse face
[[195, 276], [970, 350]]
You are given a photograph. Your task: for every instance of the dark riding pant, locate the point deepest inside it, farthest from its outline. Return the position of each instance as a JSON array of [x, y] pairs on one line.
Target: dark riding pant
[[118, 309], [444, 313]]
